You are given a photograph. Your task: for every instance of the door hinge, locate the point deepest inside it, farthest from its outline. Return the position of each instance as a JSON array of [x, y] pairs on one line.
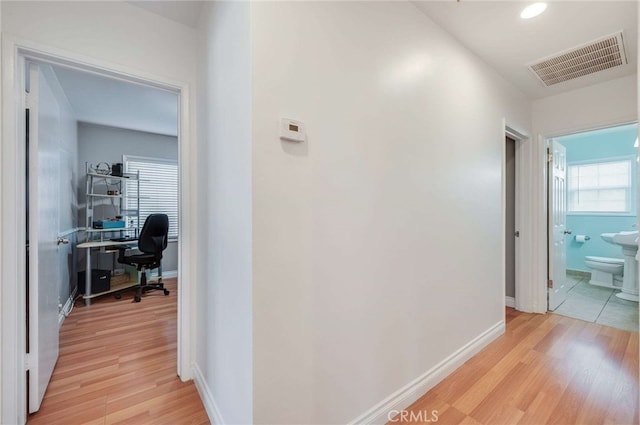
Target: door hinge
[[549, 156], [27, 361], [28, 100], [550, 283]]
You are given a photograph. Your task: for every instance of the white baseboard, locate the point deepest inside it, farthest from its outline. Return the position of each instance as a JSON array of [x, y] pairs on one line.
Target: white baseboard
[[66, 309], [510, 302], [415, 389], [170, 274], [210, 405]]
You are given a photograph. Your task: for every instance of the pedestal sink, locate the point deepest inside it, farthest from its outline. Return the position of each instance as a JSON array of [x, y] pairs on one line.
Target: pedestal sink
[[629, 243]]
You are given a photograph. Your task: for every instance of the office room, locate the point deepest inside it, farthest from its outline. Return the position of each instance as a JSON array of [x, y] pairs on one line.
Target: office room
[[102, 196]]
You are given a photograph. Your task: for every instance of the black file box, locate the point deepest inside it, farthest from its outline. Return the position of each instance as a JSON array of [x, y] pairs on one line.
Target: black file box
[[100, 281]]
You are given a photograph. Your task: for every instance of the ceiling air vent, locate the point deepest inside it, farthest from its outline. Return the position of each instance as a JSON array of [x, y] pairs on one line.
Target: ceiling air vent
[[604, 53]]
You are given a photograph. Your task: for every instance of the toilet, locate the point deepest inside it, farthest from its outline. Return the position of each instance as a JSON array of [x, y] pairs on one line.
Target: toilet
[[605, 271]]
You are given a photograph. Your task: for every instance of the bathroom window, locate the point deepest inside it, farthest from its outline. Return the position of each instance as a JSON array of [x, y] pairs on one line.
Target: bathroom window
[[600, 187]]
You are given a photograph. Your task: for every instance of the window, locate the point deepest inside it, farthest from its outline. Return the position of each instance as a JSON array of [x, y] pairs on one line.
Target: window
[[158, 188], [600, 187]]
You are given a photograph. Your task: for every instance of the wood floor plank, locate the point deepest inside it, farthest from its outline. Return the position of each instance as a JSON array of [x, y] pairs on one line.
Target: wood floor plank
[[451, 416], [117, 365], [503, 394], [545, 374], [539, 410], [469, 421], [545, 369], [623, 407], [147, 406], [508, 358]]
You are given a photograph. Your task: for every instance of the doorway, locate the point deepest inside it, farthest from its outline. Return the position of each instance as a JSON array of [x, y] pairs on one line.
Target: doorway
[[103, 159], [599, 200], [14, 361]]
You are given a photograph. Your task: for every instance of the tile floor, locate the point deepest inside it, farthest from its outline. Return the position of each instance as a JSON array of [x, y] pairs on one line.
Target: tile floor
[[596, 304]]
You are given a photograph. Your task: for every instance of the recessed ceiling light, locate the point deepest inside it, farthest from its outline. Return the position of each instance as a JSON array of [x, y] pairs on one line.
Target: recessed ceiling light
[[533, 10]]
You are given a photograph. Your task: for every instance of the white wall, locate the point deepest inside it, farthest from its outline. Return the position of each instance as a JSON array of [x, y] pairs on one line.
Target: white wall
[[377, 247], [129, 38], [601, 105], [224, 322], [2, 313], [98, 143], [103, 143], [112, 31]]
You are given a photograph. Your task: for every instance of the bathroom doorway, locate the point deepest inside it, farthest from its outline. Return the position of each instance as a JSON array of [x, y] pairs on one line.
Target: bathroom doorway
[[593, 221]]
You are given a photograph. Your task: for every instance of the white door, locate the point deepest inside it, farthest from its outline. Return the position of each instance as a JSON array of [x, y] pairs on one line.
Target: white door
[[558, 232], [44, 268]]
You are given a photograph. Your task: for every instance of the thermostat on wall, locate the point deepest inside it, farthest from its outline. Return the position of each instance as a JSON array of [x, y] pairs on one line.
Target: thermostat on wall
[[291, 130]]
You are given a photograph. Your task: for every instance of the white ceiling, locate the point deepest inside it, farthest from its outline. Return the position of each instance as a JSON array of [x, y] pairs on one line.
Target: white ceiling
[[106, 101], [494, 31], [184, 11]]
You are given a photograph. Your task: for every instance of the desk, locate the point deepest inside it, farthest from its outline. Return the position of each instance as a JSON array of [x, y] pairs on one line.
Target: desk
[[101, 244]]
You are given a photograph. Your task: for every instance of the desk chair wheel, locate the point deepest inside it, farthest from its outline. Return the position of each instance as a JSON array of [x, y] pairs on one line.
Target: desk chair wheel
[[137, 298], [118, 296], [166, 292]]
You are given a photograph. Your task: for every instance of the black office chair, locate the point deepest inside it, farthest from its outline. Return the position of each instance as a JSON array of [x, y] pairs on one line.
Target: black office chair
[[151, 243]]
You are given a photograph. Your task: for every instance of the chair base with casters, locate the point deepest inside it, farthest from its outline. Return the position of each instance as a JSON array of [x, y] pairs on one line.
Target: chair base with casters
[[144, 286]]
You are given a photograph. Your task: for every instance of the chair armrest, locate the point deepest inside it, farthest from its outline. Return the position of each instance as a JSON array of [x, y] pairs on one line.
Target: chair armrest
[[122, 249]]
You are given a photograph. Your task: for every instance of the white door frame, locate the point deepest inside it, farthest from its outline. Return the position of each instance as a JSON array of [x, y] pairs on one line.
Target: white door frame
[[522, 214], [12, 211], [531, 223]]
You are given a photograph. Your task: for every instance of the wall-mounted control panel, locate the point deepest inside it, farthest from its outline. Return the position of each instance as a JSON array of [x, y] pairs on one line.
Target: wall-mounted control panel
[[291, 130]]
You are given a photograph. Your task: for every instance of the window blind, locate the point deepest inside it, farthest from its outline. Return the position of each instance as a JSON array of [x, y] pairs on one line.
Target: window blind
[[158, 188]]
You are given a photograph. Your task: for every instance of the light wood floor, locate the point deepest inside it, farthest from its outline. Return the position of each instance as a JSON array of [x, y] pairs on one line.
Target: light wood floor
[[118, 359], [117, 365], [546, 369]]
